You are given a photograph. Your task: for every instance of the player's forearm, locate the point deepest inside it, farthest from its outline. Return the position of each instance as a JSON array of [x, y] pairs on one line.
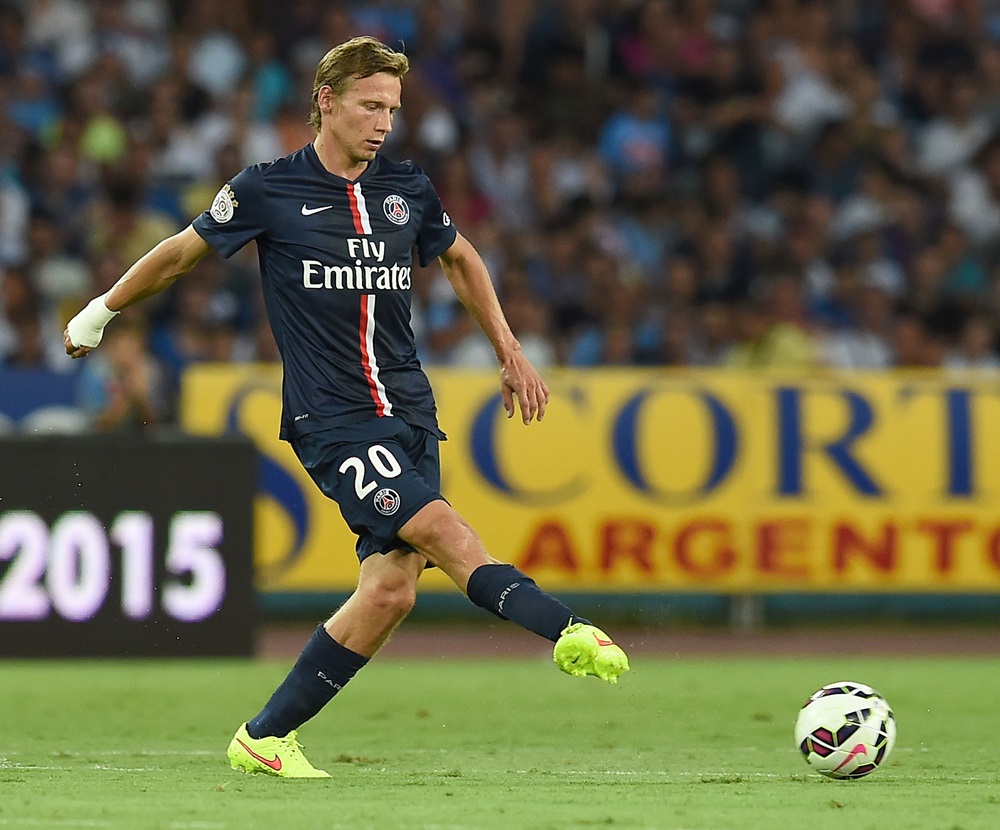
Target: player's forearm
[[472, 285], [151, 274], [481, 302]]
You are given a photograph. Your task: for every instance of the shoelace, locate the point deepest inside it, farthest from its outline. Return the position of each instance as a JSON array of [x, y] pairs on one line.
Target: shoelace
[[291, 740]]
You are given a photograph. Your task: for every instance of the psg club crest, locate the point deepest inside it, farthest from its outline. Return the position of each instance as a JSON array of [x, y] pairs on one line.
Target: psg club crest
[[396, 209], [386, 501], [224, 204]]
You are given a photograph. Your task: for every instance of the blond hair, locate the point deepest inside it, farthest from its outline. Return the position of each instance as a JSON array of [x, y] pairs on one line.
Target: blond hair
[[359, 57]]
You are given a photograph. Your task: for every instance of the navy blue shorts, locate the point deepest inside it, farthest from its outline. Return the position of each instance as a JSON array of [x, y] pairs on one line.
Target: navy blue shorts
[[380, 473]]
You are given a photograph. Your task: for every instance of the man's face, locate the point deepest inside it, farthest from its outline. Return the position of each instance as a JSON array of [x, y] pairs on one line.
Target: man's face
[[361, 118]]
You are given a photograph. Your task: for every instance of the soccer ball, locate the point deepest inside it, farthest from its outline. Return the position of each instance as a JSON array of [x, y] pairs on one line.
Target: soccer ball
[[845, 730]]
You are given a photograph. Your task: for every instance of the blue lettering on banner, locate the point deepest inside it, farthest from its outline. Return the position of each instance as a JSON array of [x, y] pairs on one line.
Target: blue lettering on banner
[[959, 437], [792, 444], [626, 446], [483, 450]]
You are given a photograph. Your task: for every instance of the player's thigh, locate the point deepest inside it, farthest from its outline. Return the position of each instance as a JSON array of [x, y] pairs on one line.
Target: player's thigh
[[379, 481], [447, 540]]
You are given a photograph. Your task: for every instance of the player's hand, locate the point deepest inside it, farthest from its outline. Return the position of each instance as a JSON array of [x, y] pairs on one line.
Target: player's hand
[[518, 378], [74, 351]]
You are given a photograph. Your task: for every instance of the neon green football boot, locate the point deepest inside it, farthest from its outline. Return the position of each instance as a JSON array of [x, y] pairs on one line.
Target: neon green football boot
[[583, 649], [272, 756]]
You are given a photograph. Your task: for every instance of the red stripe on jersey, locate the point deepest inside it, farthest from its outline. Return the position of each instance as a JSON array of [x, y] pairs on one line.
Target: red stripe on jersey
[[359, 208], [368, 361], [355, 213]]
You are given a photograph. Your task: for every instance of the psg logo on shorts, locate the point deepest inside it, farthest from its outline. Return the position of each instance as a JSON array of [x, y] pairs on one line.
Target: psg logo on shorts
[[396, 209], [386, 501]]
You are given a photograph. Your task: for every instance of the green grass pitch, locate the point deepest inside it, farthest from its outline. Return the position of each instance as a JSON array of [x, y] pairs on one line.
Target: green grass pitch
[[680, 744]]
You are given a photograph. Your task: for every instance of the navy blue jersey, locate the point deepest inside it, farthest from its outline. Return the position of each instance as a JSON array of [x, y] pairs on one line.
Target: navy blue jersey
[[335, 258]]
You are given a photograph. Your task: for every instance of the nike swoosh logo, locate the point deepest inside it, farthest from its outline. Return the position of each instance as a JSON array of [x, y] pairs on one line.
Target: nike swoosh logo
[[274, 763], [859, 749], [308, 211], [601, 642]]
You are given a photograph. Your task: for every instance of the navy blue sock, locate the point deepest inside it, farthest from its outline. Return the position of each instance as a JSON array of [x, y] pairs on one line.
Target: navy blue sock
[[511, 595], [323, 669]]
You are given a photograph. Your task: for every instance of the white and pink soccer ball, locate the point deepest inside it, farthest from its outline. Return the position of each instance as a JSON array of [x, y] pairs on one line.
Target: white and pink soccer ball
[[845, 730]]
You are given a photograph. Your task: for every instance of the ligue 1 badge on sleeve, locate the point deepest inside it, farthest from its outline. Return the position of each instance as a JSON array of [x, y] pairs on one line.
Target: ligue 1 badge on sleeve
[[222, 207]]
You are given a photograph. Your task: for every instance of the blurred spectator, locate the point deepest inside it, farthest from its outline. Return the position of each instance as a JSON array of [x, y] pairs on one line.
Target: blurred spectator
[[976, 346], [574, 102], [805, 95], [965, 277], [635, 142], [867, 343], [65, 192], [927, 277], [465, 202], [215, 56], [914, 345], [559, 274], [271, 82], [90, 120], [952, 137], [649, 46], [867, 207], [61, 281], [135, 34], [120, 387], [63, 28], [29, 353], [835, 165], [528, 319], [15, 210], [180, 153], [124, 227], [639, 224], [501, 165], [716, 329], [771, 334], [975, 195], [876, 265], [197, 327], [32, 105], [428, 123], [448, 332], [611, 328], [725, 265], [20, 332]]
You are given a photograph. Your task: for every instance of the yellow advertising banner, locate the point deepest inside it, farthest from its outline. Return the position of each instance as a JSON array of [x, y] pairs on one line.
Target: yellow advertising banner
[[648, 480]]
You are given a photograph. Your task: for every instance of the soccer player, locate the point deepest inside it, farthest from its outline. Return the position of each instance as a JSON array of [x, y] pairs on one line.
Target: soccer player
[[335, 225]]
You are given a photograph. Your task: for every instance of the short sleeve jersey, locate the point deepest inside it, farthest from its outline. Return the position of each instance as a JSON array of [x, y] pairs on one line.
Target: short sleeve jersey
[[335, 259]]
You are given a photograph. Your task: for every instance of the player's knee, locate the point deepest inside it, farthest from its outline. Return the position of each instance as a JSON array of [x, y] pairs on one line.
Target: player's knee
[[390, 596]]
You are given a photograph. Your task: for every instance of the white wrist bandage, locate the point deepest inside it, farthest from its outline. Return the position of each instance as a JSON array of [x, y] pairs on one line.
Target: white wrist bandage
[[87, 328]]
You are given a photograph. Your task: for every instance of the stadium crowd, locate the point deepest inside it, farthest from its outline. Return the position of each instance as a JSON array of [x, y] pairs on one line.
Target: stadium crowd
[[743, 183]]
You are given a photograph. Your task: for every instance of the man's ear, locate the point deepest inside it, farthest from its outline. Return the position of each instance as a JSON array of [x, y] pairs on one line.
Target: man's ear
[[325, 99]]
